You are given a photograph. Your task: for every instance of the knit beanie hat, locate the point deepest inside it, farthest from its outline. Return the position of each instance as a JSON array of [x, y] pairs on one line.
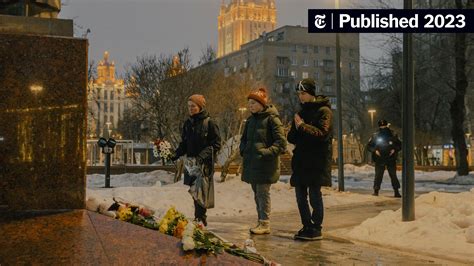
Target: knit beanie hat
[[198, 99], [259, 95], [307, 85]]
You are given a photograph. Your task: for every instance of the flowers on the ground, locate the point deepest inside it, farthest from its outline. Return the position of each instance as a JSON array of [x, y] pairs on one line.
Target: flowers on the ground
[[162, 149], [200, 239], [125, 214], [173, 223], [134, 214], [193, 236], [188, 237]]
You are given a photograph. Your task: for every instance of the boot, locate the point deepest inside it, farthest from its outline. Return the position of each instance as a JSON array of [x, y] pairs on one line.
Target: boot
[[376, 192], [309, 233], [262, 228], [201, 221], [397, 194]]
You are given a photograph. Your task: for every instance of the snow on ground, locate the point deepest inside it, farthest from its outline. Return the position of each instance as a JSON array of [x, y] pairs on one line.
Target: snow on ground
[[462, 180], [444, 221], [444, 225], [232, 197], [145, 179], [365, 172], [362, 177]]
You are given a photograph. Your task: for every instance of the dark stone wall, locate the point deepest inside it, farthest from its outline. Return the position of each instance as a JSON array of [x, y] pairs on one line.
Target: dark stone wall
[[37, 26], [43, 106]]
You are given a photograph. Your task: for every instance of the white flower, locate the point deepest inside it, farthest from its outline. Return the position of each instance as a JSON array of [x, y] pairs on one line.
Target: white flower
[[188, 243], [188, 237], [155, 151]]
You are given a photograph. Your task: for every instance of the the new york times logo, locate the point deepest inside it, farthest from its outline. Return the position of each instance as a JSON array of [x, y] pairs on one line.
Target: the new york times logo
[[320, 21], [391, 20]]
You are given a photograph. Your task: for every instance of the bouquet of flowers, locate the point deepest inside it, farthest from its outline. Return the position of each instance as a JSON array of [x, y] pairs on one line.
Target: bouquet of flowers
[[162, 149], [197, 238], [193, 236], [173, 223], [134, 214]]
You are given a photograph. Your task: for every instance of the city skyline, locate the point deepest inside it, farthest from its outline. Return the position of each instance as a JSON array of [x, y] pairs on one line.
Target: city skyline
[[129, 29]]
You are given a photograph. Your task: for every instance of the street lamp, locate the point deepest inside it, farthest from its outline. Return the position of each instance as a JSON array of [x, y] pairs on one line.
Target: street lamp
[[242, 110], [109, 131], [242, 120], [107, 148], [340, 148], [371, 112], [36, 89]]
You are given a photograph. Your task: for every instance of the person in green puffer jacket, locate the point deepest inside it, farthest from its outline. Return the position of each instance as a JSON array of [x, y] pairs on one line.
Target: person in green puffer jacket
[[261, 144]]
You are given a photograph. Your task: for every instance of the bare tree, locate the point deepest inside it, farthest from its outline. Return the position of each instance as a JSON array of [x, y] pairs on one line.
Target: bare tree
[[441, 72], [93, 98], [458, 107]]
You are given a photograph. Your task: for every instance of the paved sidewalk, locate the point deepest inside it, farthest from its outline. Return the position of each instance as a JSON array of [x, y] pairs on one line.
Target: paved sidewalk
[[81, 237], [280, 246]]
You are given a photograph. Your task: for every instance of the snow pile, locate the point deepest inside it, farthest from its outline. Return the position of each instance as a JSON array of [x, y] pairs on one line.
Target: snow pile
[[226, 149], [431, 176], [357, 173], [444, 225], [461, 180], [146, 179], [233, 197], [367, 172]]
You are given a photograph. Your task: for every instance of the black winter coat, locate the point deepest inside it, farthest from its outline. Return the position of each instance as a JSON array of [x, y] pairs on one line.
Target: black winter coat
[[200, 143], [312, 156], [384, 141]]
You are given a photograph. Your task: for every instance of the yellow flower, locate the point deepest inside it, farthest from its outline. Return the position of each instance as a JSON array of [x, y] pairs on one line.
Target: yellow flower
[[163, 228], [125, 214]]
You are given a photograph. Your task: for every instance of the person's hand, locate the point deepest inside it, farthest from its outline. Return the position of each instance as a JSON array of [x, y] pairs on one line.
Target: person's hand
[[298, 120], [392, 151], [377, 153], [190, 161], [174, 158]]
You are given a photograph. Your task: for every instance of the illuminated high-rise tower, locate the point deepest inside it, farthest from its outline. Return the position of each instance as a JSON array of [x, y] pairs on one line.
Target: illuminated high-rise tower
[[242, 21]]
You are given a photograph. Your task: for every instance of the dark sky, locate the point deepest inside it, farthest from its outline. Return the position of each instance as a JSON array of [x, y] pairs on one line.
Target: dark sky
[[128, 29]]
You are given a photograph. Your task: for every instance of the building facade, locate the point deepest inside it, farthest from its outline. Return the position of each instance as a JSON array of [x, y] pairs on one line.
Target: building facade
[[279, 59], [106, 100], [242, 21]]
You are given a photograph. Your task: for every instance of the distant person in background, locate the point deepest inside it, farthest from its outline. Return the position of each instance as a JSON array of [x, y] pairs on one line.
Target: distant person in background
[[385, 145]]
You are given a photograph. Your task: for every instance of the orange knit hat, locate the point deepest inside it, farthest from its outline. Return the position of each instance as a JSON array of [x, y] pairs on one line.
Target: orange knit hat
[[198, 99], [259, 95]]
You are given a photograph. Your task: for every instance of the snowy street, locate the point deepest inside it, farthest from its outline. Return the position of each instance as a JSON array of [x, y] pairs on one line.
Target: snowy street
[[441, 217]]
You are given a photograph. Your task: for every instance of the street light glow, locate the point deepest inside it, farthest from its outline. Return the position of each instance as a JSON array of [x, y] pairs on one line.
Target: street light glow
[[372, 112], [36, 89]]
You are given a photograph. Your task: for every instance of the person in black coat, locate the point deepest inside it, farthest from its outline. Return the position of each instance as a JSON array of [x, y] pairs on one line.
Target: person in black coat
[[200, 141], [385, 145], [311, 133]]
